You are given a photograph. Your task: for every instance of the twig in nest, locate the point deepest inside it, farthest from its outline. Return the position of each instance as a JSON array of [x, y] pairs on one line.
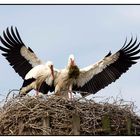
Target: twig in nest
[[10, 93]]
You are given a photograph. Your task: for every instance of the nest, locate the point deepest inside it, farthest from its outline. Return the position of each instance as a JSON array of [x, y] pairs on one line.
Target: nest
[[56, 115]]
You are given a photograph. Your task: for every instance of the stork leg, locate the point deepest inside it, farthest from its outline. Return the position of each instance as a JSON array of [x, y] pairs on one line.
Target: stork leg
[[37, 92], [38, 86], [70, 97]]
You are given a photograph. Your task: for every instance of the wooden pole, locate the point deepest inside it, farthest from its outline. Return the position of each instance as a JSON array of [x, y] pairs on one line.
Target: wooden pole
[[76, 123], [46, 124], [128, 125], [106, 124]]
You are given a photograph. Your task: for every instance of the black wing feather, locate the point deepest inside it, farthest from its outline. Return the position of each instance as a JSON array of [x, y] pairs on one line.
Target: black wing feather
[[11, 51]]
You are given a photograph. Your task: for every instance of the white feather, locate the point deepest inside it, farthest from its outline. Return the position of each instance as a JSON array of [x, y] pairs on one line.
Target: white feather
[[42, 70], [37, 71], [30, 56]]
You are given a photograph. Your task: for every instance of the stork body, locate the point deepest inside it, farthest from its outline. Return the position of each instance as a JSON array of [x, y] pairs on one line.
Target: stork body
[[66, 78], [37, 78]]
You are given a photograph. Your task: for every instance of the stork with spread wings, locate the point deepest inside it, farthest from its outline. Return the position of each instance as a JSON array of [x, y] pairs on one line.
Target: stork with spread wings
[[35, 73]]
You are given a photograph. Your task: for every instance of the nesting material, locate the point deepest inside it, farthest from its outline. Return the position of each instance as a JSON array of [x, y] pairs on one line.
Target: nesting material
[[56, 115]]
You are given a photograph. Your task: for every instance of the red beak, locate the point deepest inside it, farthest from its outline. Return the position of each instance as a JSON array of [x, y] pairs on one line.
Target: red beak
[[52, 71], [72, 62]]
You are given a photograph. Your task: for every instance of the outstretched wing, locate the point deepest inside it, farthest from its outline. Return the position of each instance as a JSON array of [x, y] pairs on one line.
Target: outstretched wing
[[95, 77], [21, 58]]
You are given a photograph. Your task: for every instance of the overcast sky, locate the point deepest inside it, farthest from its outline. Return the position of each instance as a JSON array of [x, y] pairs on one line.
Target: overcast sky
[[87, 31]]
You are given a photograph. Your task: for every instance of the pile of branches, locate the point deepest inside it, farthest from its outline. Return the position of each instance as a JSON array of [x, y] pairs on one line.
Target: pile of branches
[[56, 115]]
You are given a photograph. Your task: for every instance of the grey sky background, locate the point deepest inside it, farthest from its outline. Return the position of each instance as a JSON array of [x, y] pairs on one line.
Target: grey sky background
[[87, 31]]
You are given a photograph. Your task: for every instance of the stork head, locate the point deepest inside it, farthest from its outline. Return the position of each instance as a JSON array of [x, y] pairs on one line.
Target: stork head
[[50, 65], [71, 60]]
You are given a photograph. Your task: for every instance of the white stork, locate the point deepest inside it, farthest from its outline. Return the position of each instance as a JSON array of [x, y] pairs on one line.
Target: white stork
[[95, 77], [35, 73]]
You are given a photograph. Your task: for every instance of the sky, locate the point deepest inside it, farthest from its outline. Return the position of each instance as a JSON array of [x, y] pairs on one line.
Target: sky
[[87, 31]]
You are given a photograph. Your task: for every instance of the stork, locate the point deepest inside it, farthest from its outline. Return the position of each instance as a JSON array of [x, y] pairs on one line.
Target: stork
[[35, 73], [91, 79]]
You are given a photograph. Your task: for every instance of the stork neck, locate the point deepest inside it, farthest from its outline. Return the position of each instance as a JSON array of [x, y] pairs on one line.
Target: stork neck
[[73, 72]]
